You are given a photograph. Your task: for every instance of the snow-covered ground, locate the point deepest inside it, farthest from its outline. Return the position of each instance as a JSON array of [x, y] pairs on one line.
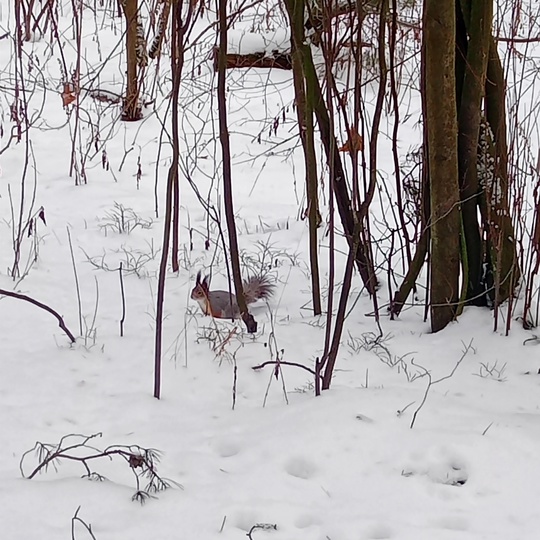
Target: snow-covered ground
[[343, 466]]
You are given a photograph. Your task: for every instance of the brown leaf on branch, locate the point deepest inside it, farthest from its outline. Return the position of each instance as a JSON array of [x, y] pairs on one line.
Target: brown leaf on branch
[[355, 143], [68, 94]]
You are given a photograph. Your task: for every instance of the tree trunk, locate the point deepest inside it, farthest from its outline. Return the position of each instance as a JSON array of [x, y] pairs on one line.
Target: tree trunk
[[477, 16], [168, 220], [441, 123], [131, 110], [341, 190], [328, 361], [501, 235], [422, 246], [177, 65], [248, 319], [304, 110]]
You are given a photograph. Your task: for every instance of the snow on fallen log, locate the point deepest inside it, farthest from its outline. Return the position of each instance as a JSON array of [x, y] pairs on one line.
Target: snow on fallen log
[[257, 50]]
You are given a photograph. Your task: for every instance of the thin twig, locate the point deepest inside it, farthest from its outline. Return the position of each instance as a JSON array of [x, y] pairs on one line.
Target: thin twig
[[486, 430], [432, 382], [123, 301], [77, 287], [235, 380], [76, 519]]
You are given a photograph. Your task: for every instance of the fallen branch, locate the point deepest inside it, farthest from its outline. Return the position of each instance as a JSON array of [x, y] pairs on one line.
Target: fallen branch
[[262, 527], [79, 448], [61, 323], [261, 59], [284, 363]]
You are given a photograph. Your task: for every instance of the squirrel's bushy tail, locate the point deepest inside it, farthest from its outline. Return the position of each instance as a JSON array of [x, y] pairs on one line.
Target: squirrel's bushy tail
[[258, 288]]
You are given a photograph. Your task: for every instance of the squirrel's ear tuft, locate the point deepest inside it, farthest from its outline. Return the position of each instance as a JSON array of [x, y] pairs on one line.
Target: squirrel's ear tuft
[[198, 279], [206, 281]]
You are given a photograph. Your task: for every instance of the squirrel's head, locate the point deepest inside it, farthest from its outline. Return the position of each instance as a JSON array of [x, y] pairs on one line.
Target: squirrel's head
[[201, 289]]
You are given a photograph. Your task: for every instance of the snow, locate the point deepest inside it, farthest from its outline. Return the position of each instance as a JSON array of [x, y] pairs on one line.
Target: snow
[[342, 466], [242, 42]]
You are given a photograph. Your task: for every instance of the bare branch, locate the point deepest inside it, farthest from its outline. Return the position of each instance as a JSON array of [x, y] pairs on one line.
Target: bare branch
[[431, 382], [61, 323], [284, 363]]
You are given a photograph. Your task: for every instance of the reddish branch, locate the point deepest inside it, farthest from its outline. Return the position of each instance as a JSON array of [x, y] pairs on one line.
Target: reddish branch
[[518, 40], [61, 323]]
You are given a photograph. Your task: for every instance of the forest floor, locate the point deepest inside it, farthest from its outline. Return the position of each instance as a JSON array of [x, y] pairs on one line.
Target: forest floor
[[396, 449]]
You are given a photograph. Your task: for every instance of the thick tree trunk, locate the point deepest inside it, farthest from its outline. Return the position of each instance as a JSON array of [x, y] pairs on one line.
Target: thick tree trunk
[[440, 96], [131, 110]]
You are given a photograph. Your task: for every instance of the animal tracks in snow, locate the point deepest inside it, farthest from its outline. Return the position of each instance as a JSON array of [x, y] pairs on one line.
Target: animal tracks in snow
[[303, 521], [227, 447], [441, 465], [301, 467], [378, 531]]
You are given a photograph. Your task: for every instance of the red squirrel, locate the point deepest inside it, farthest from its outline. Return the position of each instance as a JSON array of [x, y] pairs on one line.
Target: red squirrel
[[222, 304]]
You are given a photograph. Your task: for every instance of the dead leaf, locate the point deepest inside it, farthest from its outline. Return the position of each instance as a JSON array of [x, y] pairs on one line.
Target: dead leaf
[[355, 143], [68, 95]]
